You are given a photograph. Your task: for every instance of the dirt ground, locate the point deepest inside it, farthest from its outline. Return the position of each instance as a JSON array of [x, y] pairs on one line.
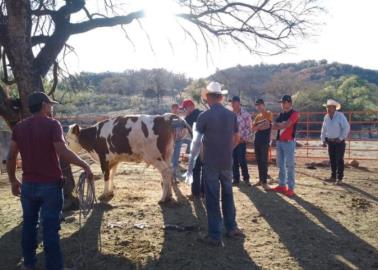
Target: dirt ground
[[324, 227]]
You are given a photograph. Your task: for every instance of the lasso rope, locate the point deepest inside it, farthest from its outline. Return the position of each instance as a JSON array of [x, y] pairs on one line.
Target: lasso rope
[[85, 191], [86, 194]]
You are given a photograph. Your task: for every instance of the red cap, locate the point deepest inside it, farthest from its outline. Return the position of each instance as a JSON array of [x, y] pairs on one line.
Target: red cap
[[187, 103]]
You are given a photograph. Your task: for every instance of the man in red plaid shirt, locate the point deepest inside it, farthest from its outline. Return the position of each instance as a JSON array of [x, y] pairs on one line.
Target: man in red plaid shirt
[[239, 154]]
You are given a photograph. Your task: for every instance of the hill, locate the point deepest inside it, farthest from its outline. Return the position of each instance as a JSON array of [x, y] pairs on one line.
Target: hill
[[152, 91]]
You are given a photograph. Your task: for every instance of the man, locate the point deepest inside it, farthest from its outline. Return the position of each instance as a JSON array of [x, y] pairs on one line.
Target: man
[[191, 117], [286, 124], [179, 141], [240, 151], [334, 132], [39, 139], [262, 126], [219, 129], [175, 109]]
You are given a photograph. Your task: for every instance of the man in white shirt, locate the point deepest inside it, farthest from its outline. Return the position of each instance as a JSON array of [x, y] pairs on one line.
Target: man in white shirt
[[335, 131]]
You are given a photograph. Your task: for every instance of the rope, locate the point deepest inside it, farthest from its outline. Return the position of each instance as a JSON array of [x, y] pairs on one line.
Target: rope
[[86, 194]]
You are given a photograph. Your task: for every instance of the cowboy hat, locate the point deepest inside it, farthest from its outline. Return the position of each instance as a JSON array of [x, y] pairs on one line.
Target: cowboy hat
[[213, 88], [331, 102]]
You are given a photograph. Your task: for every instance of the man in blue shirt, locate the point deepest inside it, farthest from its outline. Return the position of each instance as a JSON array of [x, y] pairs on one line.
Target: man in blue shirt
[[219, 129], [334, 132]]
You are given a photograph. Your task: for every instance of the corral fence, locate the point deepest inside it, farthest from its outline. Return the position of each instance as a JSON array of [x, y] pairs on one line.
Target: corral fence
[[362, 143]]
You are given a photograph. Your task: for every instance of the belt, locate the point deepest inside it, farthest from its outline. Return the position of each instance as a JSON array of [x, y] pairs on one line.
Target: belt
[[333, 140], [285, 140]]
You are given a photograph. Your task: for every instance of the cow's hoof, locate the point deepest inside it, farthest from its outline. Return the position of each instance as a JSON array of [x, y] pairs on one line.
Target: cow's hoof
[[166, 200], [106, 197]]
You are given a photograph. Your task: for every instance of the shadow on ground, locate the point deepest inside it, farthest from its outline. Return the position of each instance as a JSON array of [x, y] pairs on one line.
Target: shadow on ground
[[329, 246]]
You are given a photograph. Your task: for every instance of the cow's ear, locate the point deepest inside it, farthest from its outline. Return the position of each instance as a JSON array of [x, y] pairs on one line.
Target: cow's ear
[[76, 129]]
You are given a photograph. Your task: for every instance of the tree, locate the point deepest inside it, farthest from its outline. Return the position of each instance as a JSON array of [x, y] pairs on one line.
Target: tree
[[33, 33]]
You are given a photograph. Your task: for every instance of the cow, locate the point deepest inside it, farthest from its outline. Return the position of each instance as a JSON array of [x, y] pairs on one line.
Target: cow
[[131, 138]]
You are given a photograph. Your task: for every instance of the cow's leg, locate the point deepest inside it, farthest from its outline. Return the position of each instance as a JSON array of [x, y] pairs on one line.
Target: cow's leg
[[165, 169], [107, 194], [113, 171]]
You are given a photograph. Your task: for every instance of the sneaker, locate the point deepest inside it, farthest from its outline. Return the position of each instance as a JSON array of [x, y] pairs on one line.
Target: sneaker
[[339, 182], [280, 189], [331, 179], [235, 233], [207, 240], [290, 193]]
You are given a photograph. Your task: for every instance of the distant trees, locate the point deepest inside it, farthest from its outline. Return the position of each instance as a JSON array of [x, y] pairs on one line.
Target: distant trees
[[352, 92]]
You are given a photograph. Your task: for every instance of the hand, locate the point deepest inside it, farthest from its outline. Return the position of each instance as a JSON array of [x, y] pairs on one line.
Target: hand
[[16, 187], [338, 140], [88, 172]]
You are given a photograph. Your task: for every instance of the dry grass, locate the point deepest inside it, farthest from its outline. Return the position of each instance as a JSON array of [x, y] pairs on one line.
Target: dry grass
[[325, 227]]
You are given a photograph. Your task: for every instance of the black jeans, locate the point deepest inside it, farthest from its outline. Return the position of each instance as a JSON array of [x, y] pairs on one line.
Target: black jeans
[[336, 153], [261, 153], [197, 185], [240, 162]]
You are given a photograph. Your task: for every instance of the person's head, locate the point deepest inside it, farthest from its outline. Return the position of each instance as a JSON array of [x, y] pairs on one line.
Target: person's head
[[235, 103], [214, 98], [213, 93], [260, 105], [188, 106], [175, 108], [286, 103], [40, 103], [332, 106]]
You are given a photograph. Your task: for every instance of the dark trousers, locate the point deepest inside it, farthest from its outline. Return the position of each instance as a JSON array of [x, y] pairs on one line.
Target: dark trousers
[[336, 153], [240, 162], [198, 185], [46, 199], [261, 153]]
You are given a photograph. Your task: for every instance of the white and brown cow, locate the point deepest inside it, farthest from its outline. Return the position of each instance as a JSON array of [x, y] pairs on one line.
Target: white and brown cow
[[135, 138]]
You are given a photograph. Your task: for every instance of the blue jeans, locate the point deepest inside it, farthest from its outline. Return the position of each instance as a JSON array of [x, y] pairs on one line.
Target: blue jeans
[[177, 152], [240, 162], [213, 180], [286, 163], [46, 199]]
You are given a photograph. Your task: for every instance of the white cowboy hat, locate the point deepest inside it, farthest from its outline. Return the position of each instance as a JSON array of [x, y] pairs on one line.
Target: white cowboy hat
[[332, 102], [213, 88]]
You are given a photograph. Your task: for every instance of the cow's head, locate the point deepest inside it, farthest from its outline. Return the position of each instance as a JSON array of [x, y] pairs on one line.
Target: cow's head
[[72, 138]]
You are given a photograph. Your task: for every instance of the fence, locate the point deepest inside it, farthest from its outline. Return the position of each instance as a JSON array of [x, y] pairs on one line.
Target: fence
[[362, 143]]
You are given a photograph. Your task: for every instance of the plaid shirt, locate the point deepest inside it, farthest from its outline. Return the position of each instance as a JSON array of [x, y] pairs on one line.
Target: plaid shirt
[[245, 123]]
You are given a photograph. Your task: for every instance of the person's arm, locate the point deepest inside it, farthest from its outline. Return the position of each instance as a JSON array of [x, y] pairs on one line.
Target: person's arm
[[70, 157], [345, 128], [236, 140], [323, 132], [291, 121], [11, 168]]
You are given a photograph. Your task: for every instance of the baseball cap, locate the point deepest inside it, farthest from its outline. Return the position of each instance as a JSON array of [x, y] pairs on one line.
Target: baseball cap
[[285, 98], [259, 101], [235, 99], [187, 103], [37, 98]]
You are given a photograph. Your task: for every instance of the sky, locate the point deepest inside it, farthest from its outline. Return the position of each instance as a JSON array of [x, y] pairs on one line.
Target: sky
[[347, 35]]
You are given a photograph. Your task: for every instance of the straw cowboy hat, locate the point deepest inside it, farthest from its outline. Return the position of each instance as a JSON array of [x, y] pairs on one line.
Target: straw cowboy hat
[[332, 102], [213, 88]]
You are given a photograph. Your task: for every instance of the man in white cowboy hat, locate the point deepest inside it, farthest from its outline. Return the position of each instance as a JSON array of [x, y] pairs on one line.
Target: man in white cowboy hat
[[334, 132], [219, 134]]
